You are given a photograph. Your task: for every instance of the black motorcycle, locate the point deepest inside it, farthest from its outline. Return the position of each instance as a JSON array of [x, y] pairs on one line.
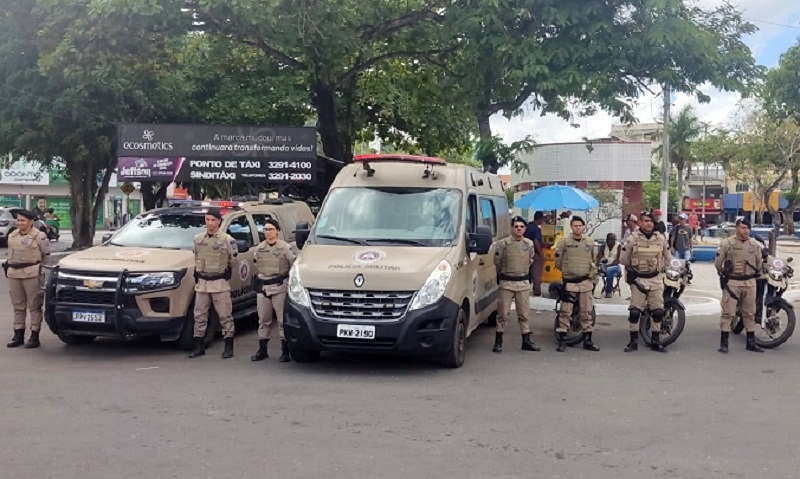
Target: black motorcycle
[[677, 276]]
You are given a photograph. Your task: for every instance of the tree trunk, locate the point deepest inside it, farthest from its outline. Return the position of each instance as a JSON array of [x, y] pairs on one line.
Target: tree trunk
[[485, 132], [680, 191], [83, 210], [336, 144], [793, 199]]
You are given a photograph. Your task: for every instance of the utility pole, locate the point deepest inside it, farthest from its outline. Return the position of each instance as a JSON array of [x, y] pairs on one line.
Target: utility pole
[[705, 174], [665, 156]]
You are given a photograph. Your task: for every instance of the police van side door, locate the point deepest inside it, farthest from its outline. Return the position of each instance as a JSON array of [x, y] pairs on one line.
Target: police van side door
[[487, 303], [240, 228]]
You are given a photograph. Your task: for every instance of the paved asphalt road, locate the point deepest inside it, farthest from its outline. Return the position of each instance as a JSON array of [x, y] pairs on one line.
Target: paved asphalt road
[[126, 410]]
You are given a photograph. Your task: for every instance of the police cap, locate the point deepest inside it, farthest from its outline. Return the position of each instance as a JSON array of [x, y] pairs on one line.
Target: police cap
[[27, 214], [273, 222], [743, 221], [215, 212]]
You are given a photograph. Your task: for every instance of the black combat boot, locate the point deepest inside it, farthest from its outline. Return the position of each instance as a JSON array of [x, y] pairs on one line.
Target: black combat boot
[[562, 342], [199, 348], [33, 342], [285, 358], [633, 344], [588, 344], [498, 343], [527, 344], [19, 339], [723, 342], [655, 344], [261, 354], [751, 343], [228, 352]]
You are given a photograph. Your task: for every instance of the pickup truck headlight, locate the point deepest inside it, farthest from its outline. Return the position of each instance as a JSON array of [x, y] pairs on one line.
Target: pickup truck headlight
[[152, 281], [297, 293], [434, 286]]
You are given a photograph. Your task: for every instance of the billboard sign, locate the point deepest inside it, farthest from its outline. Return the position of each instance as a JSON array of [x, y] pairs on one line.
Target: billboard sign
[[182, 169], [24, 177]]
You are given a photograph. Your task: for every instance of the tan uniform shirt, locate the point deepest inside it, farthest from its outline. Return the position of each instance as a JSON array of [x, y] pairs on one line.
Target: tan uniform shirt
[[285, 253], [31, 247], [500, 258], [584, 246], [744, 258], [225, 242]]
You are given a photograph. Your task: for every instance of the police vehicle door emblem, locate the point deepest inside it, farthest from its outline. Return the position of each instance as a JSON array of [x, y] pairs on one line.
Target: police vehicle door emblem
[[359, 280]]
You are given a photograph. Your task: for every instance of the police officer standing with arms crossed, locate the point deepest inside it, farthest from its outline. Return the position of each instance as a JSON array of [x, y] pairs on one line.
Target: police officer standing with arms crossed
[[27, 248], [214, 254], [575, 259], [512, 258], [645, 256], [738, 263], [273, 258]]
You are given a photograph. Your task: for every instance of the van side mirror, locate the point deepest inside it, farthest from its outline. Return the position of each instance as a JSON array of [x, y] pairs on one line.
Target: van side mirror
[[301, 233], [242, 246], [481, 241], [106, 238]]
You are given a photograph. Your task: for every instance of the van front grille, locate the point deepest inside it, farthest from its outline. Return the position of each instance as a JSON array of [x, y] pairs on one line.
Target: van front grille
[[340, 305]]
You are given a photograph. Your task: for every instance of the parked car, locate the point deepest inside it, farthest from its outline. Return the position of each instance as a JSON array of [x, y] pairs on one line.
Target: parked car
[[8, 223]]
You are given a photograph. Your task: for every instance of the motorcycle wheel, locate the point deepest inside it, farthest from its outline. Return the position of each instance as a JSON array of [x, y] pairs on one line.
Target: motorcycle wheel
[[574, 335], [671, 327], [778, 326]]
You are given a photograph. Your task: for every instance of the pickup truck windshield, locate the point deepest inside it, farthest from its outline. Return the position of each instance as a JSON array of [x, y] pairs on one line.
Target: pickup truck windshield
[[402, 216], [161, 231]]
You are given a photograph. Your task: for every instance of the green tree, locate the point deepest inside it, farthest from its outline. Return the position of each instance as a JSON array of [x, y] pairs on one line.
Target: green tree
[[651, 191]]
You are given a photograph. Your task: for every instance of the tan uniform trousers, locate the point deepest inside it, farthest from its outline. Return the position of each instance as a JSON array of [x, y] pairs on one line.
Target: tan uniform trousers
[[267, 322], [26, 295], [583, 293], [746, 291], [654, 298], [519, 292]]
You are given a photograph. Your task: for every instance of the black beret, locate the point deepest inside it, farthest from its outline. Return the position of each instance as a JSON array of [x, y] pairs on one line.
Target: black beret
[[519, 219], [743, 221], [27, 214], [273, 222], [215, 212]]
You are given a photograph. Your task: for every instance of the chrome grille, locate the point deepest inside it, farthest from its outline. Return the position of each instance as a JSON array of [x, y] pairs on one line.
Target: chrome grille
[[86, 287], [360, 305]]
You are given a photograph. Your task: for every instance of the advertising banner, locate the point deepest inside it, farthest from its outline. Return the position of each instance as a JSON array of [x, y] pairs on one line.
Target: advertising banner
[[182, 153], [24, 177], [181, 169]]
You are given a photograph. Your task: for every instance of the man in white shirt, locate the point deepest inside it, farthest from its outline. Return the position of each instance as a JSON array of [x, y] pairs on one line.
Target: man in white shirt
[[632, 223]]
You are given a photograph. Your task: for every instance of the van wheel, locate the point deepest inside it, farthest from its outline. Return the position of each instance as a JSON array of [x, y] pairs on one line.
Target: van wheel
[[186, 339], [455, 357], [303, 355], [76, 339]]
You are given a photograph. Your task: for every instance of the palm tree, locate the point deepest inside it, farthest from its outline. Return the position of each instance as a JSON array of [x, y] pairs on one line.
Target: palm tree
[[684, 129]]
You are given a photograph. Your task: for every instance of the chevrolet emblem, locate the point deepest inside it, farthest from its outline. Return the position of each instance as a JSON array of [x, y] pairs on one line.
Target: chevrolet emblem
[[92, 284]]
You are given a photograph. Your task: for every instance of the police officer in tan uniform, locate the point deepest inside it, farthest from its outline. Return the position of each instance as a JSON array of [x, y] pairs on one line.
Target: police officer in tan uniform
[[214, 255], [27, 248], [739, 263], [644, 257], [273, 258], [575, 259], [512, 258]]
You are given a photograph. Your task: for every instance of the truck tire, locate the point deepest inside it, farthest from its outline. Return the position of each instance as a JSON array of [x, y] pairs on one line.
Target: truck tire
[[186, 339]]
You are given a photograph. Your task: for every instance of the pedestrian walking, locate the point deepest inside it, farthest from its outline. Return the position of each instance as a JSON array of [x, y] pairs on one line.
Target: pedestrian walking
[[575, 259], [273, 259], [214, 254], [27, 249], [513, 257], [680, 239], [534, 233]]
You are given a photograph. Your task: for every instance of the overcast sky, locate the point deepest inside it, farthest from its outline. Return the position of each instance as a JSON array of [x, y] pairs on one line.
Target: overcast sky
[[779, 28]]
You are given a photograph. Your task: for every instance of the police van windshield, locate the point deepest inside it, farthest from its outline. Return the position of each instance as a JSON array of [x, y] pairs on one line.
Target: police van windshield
[[161, 231], [403, 216]]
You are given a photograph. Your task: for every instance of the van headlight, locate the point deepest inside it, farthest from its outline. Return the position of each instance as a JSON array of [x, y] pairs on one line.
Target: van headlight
[[434, 286], [145, 282], [297, 293]]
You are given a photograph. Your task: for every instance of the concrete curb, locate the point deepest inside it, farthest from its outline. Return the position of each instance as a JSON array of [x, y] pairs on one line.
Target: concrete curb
[[708, 306]]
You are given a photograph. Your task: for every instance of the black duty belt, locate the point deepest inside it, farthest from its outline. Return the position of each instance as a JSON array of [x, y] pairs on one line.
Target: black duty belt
[[22, 265], [508, 277], [211, 277], [647, 275], [743, 277], [575, 280], [271, 281]]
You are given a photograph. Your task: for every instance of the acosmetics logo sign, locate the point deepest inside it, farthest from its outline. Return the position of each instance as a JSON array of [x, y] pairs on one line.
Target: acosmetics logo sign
[[148, 143]]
